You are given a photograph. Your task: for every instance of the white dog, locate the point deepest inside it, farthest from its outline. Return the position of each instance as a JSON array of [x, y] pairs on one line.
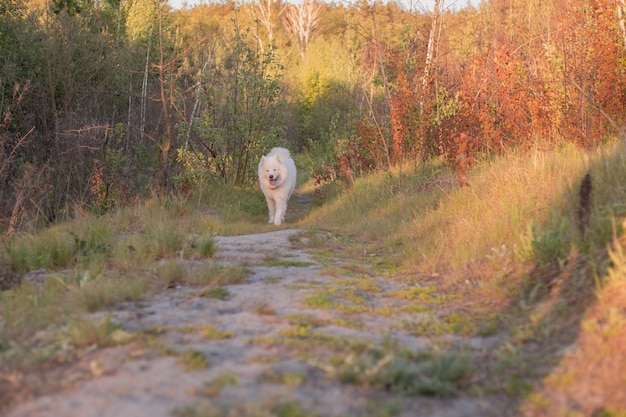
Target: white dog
[[277, 176]]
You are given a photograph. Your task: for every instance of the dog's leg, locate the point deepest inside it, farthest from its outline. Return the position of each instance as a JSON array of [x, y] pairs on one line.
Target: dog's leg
[[281, 209], [271, 207]]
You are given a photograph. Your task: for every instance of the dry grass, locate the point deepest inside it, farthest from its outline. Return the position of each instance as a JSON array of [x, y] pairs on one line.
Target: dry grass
[[518, 208]]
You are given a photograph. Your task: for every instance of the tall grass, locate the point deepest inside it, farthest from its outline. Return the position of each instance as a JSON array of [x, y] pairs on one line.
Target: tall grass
[[49, 249], [493, 218]]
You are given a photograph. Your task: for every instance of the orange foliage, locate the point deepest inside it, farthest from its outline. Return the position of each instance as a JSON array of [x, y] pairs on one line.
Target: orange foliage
[[533, 83], [593, 69], [504, 100], [566, 90]]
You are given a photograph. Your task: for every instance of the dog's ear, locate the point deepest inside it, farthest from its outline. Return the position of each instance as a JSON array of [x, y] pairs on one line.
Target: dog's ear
[[277, 158], [263, 158]]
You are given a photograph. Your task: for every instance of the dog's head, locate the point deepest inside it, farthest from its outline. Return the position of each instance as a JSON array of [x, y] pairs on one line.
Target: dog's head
[[272, 171]]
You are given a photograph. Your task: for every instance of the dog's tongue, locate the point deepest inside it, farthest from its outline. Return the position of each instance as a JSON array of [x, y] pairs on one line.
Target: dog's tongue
[[272, 182]]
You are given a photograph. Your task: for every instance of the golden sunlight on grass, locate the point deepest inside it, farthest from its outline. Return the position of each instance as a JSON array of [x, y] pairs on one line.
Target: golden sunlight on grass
[[421, 216]]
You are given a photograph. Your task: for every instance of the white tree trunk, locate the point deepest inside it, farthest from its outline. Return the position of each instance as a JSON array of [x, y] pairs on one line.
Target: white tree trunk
[[301, 20], [430, 51], [620, 16], [261, 10]]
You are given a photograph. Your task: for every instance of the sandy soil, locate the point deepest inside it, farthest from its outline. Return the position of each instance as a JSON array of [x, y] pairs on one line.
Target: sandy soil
[[259, 372]]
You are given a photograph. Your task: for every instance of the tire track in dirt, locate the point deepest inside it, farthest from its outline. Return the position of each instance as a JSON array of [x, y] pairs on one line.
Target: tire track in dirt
[[277, 337]]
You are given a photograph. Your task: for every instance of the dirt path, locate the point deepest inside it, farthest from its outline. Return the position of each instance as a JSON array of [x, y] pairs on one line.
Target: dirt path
[[275, 345]]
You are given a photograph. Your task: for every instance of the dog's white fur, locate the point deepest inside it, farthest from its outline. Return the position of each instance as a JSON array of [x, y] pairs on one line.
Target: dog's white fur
[[277, 177]]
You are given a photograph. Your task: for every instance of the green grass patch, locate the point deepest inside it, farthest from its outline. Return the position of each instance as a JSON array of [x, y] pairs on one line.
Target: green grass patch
[[193, 360], [106, 291], [49, 250], [320, 300], [442, 324], [215, 386], [209, 332], [170, 272], [204, 247], [212, 333], [427, 295], [416, 309], [303, 339], [274, 260], [290, 409], [31, 307], [219, 293], [285, 263], [422, 373], [164, 238], [365, 284], [299, 331], [306, 320], [347, 299], [99, 333], [292, 379], [274, 279], [217, 275], [517, 386], [265, 408]]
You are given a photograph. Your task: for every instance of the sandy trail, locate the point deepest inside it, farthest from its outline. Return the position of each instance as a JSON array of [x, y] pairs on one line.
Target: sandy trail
[[252, 371]]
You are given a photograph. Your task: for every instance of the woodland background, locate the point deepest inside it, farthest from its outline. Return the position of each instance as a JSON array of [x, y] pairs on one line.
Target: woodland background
[[104, 103]]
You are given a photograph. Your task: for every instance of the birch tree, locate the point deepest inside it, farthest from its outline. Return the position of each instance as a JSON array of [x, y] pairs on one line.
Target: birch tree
[[430, 50], [301, 20], [262, 11]]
